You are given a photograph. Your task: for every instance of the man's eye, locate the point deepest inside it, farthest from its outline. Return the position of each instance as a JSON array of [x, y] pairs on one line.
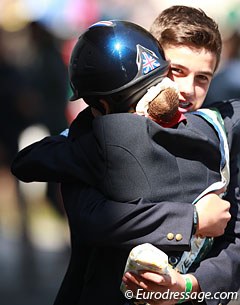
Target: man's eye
[[176, 71], [203, 78]]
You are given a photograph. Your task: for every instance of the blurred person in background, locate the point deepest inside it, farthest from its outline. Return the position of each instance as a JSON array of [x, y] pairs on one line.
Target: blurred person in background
[[226, 82], [11, 120], [28, 99], [34, 90], [49, 78]]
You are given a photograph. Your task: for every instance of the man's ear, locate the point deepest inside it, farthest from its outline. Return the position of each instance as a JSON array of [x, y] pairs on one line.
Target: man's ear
[[105, 109], [96, 112], [105, 106]]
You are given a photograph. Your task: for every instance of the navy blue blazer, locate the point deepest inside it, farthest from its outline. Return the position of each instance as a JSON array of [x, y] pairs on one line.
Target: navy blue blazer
[[100, 245]]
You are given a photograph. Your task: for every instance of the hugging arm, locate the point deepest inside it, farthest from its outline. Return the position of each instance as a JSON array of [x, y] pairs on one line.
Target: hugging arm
[[102, 222], [55, 159], [38, 161]]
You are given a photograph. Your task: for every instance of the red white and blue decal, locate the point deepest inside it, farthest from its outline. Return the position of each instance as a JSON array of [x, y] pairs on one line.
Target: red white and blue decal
[[147, 60], [149, 63]]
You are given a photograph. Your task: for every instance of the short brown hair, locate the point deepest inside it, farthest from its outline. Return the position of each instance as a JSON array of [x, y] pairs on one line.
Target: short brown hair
[[187, 26]]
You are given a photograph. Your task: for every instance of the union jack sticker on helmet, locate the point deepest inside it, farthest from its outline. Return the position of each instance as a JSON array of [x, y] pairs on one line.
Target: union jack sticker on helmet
[[147, 60]]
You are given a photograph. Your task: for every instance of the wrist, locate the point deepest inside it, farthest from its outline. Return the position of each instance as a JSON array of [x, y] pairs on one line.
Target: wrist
[[187, 290], [195, 285], [195, 220]]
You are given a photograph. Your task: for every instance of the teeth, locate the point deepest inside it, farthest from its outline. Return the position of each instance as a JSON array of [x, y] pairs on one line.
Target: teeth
[[184, 104]]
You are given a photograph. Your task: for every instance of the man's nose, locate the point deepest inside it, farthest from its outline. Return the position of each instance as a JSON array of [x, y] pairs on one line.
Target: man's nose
[[187, 86]]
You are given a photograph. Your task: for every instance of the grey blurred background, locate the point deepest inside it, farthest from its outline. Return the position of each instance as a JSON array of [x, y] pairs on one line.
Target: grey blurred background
[[36, 39]]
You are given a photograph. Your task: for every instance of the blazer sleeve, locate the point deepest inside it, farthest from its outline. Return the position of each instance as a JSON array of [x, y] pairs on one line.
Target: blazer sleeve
[[99, 221], [55, 159]]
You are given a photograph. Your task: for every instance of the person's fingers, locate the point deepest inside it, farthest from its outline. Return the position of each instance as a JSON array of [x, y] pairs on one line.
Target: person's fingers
[[136, 279], [146, 283], [159, 279]]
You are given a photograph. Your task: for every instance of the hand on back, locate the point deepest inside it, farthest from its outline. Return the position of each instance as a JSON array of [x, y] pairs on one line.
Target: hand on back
[[213, 215]]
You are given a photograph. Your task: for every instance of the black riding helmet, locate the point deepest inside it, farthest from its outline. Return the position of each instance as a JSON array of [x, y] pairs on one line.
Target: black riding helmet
[[117, 61]]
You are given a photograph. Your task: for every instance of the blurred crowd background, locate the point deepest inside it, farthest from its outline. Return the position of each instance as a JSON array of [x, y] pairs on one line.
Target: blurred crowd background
[[36, 39]]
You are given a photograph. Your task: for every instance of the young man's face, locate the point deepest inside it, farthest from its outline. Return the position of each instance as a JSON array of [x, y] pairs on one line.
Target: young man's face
[[192, 70]]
